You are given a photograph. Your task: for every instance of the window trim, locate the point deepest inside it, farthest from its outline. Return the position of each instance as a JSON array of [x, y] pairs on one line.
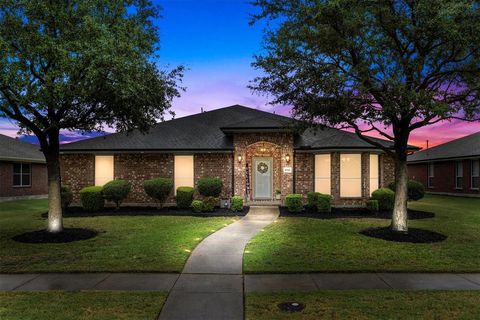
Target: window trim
[[429, 184], [329, 178], [360, 179], [21, 185], [471, 173], [457, 186]]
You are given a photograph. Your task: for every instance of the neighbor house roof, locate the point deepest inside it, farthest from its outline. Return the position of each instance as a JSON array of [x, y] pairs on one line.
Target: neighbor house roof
[[209, 131], [466, 147], [16, 150]]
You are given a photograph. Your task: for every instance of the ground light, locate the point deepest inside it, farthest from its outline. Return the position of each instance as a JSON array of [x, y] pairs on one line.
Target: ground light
[[291, 306]]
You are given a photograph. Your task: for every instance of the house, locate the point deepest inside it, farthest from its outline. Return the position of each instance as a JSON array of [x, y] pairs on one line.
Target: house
[[255, 153], [23, 173], [451, 168]]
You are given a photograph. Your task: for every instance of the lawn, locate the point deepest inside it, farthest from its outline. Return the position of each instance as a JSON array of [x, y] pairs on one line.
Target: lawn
[[307, 245], [367, 304], [82, 305], [124, 243]]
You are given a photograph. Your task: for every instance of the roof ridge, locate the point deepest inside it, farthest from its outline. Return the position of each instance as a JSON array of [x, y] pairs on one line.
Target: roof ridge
[[445, 144]]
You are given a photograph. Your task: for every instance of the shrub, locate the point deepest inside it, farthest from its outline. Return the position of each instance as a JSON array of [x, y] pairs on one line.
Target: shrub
[[209, 204], [116, 191], [197, 206], [158, 188], [385, 198], [184, 197], [92, 198], [372, 205], [416, 190], [237, 203], [66, 196], [294, 202], [210, 187], [324, 203], [312, 199]]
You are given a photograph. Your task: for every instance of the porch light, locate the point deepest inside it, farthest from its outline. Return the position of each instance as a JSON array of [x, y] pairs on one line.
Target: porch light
[[239, 159], [287, 158]]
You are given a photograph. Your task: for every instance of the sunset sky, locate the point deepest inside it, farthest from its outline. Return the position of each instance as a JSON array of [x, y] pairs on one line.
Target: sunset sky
[[214, 41]]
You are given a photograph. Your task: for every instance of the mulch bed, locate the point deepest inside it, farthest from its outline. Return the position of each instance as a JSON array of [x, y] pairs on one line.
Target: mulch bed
[[357, 213], [149, 211], [414, 235], [67, 235]]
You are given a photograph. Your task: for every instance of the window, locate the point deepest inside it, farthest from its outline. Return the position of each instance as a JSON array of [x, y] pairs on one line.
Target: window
[[183, 171], [458, 175], [374, 176], [475, 174], [350, 175], [22, 174], [103, 169], [430, 169], [322, 173]]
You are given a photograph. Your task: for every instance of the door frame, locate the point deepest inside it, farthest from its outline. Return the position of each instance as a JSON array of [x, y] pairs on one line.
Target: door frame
[[254, 169]]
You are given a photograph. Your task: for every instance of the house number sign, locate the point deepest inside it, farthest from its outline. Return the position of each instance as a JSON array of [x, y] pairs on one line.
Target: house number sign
[[287, 169]]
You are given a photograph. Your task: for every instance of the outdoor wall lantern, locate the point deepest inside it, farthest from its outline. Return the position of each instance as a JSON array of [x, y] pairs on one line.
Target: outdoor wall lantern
[[239, 159], [287, 158]]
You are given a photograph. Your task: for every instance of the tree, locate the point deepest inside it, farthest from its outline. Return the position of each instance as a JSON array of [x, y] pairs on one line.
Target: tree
[[80, 65], [387, 67]]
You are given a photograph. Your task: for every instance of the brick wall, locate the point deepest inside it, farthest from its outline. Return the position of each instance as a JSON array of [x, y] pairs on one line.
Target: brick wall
[[39, 181], [304, 172], [215, 165], [77, 171]]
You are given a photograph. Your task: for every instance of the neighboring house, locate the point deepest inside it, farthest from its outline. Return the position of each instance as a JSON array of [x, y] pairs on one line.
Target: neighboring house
[[450, 168], [23, 173], [255, 153]]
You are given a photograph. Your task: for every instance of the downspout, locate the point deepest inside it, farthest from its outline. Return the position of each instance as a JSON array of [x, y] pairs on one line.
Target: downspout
[[293, 169]]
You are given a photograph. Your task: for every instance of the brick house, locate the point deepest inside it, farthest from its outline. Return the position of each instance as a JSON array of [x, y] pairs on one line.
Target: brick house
[[451, 168], [255, 153], [23, 173]]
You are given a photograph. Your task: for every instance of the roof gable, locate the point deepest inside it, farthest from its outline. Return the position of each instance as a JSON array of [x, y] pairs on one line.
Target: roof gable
[[16, 150]]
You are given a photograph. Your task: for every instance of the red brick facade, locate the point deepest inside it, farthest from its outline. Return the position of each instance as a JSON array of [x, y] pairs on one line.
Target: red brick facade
[[38, 181]]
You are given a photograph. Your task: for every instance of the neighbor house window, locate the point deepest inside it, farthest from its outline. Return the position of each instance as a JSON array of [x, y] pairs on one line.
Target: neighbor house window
[[22, 174], [458, 174], [475, 174], [430, 169], [374, 176], [103, 169], [350, 175], [322, 173], [183, 168]]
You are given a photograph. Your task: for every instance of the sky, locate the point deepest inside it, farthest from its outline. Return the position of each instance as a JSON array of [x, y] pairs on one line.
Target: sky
[[214, 41]]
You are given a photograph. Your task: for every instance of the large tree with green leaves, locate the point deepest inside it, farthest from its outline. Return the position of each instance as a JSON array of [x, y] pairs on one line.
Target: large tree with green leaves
[[387, 67], [80, 65]]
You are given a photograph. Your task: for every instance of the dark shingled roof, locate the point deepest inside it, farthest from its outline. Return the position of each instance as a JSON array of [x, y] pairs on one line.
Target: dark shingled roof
[[209, 131], [15, 150], [468, 146]]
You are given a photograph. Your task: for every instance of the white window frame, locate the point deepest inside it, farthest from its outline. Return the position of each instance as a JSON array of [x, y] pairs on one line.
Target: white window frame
[[459, 174], [357, 180], [374, 157], [102, 176], [178, 173], [21, 174], [471, 173], [430, 178], [322, 175]]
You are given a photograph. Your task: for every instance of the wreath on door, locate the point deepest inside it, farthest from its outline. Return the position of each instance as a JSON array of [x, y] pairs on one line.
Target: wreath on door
[[262, 167]]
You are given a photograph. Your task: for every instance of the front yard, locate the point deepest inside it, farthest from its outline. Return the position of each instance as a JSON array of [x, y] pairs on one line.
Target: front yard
[[124, 243], [312, 245]]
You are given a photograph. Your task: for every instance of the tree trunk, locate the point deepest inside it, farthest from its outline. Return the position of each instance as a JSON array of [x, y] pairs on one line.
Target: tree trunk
[[399, 216], [52, 155]]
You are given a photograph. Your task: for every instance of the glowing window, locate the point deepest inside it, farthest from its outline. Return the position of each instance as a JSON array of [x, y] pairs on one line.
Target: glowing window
[[350, 175], [103, 169], [374, 176], [322, 173], [183, 171]]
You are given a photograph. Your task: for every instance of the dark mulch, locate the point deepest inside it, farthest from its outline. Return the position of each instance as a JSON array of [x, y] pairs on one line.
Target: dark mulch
[[352, 213], [67, 235], [414, 235], [150, 211], [291, 306]]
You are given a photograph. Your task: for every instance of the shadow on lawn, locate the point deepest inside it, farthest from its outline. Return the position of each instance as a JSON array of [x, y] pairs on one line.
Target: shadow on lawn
[[356, 213]]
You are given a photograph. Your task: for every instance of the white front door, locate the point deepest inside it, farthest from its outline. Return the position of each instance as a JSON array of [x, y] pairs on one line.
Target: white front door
[[262, 168]]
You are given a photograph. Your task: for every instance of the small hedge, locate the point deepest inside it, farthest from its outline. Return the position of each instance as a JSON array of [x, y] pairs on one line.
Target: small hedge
[[209, 204], [92, 198], [237, 203], [312, 199], [415, 190], [197, 206], [116, 191], [210, 187], [294, 202], [372, 205], [66, 196], [159, 188], [184, 197], [324, 203], [385, 198]]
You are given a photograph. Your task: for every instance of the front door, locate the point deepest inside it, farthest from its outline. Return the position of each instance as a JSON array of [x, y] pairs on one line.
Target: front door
[[262, 168]]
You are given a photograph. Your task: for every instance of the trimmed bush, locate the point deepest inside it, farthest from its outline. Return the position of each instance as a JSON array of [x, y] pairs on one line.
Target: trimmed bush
[[210, 187], [67, 196], [293, 202], [116, 191], [237, 203], [158, 188], [372, 205], [209, 204], [197, 206], [312, 199], [416, 190], [324, 203], [184, 197], [92, 198], [385, 198]]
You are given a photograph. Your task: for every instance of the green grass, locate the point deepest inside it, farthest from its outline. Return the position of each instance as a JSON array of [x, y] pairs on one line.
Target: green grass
[[308, 245], [371, 304], [125, 243], [97, 305]]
